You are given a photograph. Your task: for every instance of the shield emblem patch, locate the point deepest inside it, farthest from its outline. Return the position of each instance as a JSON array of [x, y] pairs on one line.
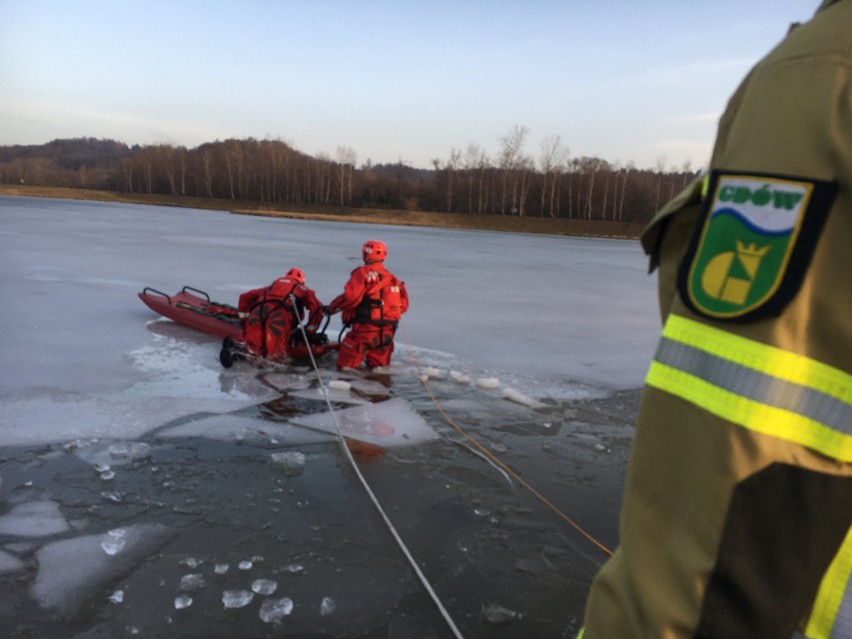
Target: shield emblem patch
[[751, 249]]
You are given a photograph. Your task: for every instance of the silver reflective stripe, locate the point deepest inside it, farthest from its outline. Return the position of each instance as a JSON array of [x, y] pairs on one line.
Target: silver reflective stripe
[[757, 386], [842, 628]]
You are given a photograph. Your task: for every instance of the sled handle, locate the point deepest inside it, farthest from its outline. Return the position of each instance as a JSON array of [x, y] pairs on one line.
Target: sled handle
[[195, 290], [148, 289]]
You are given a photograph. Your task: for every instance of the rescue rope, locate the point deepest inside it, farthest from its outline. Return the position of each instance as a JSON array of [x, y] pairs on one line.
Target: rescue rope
[[348, 454], [490, 456]]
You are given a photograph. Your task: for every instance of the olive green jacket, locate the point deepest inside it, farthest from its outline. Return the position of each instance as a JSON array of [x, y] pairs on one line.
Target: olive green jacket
[[739, 491]]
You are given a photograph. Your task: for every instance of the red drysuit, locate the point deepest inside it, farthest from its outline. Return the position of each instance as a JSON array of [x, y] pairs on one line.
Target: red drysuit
[[271, 317], [372, 302]]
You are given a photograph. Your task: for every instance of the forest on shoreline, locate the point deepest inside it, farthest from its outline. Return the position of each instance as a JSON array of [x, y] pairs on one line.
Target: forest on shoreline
[[553, 193]]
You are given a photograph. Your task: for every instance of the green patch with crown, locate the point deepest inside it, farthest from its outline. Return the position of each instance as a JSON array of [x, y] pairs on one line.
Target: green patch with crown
[[751, 250]]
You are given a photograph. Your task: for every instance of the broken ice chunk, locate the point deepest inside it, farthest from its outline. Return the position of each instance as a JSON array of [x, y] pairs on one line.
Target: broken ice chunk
[[273, 610], [264, 586], [114, 541], [291, 462], [497, 615], [237, 598], [194, 581], [328, 606]]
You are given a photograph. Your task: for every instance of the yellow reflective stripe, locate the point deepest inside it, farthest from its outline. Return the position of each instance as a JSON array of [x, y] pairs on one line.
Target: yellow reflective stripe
[[750, 414], [831, 597], [768, 359], [756, 386]]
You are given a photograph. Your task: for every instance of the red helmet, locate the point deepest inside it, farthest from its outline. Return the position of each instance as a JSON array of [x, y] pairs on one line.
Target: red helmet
[[374, 251], [296, 274]]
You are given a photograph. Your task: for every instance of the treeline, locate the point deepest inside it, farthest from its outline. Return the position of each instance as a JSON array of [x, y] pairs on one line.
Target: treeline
[[553, 184]]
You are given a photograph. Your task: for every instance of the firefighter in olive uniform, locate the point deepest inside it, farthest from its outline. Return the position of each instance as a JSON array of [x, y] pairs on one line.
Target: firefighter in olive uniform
[[738, 504], [372, 302]]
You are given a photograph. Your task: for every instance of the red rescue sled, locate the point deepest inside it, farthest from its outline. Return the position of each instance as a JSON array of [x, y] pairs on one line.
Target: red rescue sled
[[194, 308]]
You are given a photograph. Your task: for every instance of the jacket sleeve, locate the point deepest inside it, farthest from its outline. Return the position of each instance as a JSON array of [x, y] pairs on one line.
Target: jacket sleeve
[[314, 306], [403, 295], [352, 294]]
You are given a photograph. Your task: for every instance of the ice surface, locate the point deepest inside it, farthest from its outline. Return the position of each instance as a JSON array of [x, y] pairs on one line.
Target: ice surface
[[33, 519], [71, 570], [9, 563], [549, 316], [335, 394], [390, 423], [246, 429]]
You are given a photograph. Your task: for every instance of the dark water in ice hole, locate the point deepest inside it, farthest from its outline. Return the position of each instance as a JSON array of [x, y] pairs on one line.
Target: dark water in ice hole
[[501, 562]]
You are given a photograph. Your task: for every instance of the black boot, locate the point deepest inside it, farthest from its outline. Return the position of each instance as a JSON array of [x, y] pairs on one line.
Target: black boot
[[230, 352]]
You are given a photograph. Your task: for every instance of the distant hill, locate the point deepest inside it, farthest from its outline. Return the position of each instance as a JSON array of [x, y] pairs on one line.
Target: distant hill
[[277, 175], [71, 154]]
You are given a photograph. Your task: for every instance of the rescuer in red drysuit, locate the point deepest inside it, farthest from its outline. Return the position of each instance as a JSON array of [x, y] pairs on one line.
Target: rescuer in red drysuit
[[372, 302], [269, 315]]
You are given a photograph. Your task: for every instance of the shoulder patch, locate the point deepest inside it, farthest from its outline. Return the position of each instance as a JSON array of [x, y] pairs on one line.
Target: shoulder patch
[[753, 243]]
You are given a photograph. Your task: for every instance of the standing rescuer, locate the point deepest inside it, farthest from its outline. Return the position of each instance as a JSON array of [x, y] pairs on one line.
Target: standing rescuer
[[738, 504], [372, 302]]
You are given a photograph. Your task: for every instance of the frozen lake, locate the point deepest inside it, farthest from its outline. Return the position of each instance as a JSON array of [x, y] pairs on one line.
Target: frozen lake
[[120, 430]]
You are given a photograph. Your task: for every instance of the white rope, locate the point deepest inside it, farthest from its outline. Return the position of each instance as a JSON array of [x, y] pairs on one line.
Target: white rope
[[342, 442]]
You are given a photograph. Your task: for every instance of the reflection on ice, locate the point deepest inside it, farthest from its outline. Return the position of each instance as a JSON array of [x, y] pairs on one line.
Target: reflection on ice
[[336, 394], [71, 570], [33, 519], [390, 423], [243, 429]]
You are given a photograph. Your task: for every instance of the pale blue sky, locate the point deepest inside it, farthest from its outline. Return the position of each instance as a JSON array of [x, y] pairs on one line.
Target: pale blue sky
[[623, 80]]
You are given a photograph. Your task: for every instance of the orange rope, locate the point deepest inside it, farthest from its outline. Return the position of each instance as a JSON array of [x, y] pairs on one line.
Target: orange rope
[[497, 461]]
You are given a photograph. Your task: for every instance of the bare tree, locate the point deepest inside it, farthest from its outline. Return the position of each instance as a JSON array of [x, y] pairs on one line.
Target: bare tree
[[207, 171], [553, 156], [661, 167], [511, 151], [346, 159]]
